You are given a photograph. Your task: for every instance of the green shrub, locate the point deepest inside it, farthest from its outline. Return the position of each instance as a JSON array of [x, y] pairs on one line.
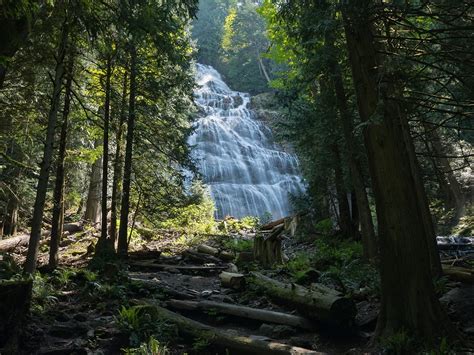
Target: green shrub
[[141, 322], [152, 347], [238, 245]]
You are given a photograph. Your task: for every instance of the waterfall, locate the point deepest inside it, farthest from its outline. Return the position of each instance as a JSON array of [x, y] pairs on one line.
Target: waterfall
[[247, 173]]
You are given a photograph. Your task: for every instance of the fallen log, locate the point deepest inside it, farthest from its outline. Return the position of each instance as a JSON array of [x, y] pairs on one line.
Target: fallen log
[[458, 273], [221, 254], [232, 280], [234, 343], [273, 224], [200, 257], [10, 244], [150, 265], [319, 303], [245, 312], [155, 286]]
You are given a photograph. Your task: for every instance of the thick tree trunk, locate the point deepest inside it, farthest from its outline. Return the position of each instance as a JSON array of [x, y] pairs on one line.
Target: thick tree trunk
[[122, 247], [118, 164], [10, 222], [448, 182], [365, 214], [92, 214], [409, 302], [57, 223], [43, 179], [104, 245], [320, 303]]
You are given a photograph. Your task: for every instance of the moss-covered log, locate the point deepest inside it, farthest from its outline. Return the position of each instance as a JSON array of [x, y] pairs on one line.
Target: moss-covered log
[[244, 312], [232, 342], [319, 303]]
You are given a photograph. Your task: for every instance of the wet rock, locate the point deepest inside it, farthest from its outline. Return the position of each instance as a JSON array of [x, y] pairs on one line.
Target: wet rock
[[62, 317], [80, 317], [266, 329], [66, 331]]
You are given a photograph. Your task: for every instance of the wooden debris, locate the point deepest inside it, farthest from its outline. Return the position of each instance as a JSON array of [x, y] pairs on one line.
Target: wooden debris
[[458, 273], [245, 312], [232, 280], [221, 254], [273, 224], [184, 268], [200, 257], [267, 246], [156, 286], [236, 344], [319, 303]]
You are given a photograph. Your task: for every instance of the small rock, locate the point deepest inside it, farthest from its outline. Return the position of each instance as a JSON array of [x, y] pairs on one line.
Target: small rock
[[62, 317], [90, 333], [469, 330], [65, 331], [80, 317], [206, 293], [266, 329], [232, 268]]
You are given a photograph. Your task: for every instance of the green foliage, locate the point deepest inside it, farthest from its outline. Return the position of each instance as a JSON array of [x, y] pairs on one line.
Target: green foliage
[[44, 293], [234, 225], [196, 217], [152, 347], [399, 343], [141, 323], [237, 244], [324, 227]]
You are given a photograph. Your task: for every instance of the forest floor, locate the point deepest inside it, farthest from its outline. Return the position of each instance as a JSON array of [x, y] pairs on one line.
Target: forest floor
[[93, 306]]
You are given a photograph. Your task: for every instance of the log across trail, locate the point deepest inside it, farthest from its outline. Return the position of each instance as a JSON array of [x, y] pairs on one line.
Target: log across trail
[[319, 303], [244, 312], [229, 340]]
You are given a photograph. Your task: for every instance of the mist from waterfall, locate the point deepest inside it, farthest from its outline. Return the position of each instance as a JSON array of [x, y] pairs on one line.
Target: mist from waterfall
[[247, 173]]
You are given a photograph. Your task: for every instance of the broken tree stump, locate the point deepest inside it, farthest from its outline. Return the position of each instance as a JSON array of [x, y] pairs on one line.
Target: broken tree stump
[[267, 246], [232, 280], [245, 312], [319, 303], [234, 343]]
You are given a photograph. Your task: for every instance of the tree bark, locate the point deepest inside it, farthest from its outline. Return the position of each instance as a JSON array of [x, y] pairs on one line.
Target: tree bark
[[104, 245], [92, 213], [365, 214], [43, 179], [122, 247], [57, 223], [450, 185], [345, 222], [318, 303], [408, 300], [118, 164]]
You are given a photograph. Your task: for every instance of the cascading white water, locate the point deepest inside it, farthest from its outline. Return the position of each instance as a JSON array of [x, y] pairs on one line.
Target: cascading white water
[[247, 173]]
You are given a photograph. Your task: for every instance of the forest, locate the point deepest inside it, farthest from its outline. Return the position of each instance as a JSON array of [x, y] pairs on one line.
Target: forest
[[236, 177]]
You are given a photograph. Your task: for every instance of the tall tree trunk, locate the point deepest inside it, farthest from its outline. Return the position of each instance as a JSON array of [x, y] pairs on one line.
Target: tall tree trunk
[[58, 197], [10, 222], [365, 214], [42, 186], [409, 302], [103, 244], [451, 186], [92, 213], [345, 223], [122, 247], [118, 163]]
